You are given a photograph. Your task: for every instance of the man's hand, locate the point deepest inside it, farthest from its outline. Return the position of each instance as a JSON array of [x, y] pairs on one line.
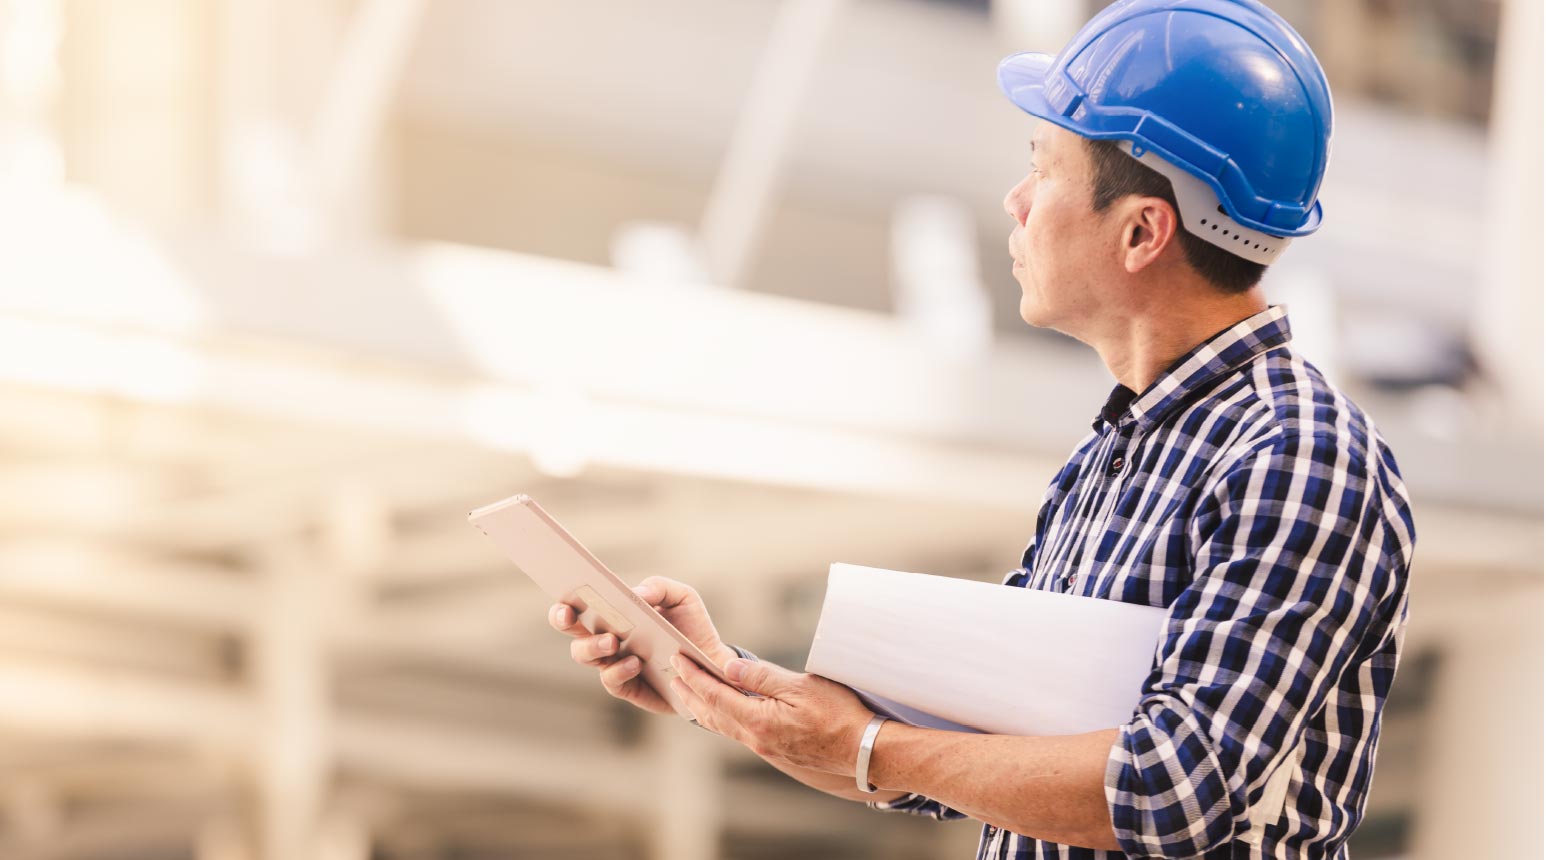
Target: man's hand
[[678, 603], [803, 720]]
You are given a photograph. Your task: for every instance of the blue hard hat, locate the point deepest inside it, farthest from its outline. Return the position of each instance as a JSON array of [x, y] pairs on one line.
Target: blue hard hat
[[1225, 90]]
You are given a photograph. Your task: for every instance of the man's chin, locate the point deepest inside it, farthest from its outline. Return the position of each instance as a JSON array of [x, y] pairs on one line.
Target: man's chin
[[1033, 313], [1037, 316]]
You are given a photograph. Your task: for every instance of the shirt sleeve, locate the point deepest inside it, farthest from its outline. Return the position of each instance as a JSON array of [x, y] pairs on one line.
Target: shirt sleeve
[[742, 652], [917, 804], [1291, 581]]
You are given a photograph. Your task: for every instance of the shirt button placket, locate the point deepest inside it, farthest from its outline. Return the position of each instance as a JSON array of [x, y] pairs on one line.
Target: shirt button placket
[[1114, 467], [1118, 460]]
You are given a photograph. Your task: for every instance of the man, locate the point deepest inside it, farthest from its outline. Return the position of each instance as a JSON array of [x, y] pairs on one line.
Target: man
[[1182, 146]]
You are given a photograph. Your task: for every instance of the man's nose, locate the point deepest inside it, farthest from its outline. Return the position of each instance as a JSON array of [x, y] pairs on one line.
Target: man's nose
[[1015, 205]]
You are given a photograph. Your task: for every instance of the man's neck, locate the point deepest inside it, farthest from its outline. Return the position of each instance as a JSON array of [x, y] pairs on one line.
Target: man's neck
[[1138, 347]]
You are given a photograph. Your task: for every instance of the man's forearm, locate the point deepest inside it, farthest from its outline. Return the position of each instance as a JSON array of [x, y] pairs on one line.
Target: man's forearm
[[833, 784], [1049, 788]]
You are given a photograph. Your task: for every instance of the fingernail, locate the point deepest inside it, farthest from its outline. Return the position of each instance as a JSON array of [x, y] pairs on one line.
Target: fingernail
[[678, 663], [606, 642], [733, 669], [563, 615]]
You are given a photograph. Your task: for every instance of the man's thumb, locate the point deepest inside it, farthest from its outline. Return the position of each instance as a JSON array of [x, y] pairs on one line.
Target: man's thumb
[[658, 590], [758, 676]]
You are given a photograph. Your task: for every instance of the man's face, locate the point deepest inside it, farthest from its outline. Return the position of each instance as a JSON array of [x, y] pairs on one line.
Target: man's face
[[1057, 243]]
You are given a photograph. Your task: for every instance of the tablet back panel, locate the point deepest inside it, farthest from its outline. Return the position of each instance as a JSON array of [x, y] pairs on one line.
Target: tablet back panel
[[567, 572]]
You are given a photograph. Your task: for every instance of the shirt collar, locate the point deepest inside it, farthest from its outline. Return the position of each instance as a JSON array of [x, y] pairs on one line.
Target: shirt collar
[[1214, 357]]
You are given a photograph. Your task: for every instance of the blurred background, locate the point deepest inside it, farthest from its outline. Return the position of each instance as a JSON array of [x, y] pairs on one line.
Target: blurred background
[[288, 286]]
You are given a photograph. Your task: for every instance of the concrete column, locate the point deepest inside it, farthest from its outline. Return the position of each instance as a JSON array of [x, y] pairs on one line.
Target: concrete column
[[222, 838], [342, 835], [936, 279], [29, 94], [689, 814], [354, 540], [292, 756], [33, 816], [257, 149], [1481, 784], [133, 104], [1507, 323]]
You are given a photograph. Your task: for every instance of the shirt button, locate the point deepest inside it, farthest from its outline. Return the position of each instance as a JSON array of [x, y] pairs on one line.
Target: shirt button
[[1116, 465]]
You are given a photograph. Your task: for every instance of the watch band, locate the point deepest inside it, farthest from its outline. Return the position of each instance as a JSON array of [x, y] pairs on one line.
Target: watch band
[[866, 747]]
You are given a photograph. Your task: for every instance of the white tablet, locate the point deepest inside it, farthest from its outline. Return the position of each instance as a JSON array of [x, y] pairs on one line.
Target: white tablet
[[568, 573]]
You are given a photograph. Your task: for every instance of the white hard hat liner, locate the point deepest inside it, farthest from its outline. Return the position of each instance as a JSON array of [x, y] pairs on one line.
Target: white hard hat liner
[[1204, 217]]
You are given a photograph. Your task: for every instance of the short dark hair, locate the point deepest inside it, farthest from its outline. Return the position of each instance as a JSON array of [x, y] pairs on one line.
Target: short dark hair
[[1118, 174]]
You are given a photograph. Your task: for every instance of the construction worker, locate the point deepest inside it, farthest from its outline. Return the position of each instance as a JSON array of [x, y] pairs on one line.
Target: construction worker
[[1180, 148]]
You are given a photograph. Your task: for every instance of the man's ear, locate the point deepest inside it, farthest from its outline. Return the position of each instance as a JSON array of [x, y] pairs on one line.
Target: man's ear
[[1149, 226]]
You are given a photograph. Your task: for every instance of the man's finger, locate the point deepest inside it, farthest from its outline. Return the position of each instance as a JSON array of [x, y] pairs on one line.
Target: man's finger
[[701, 711], [563, 618], [719, 697], [592, 650], [613, 677]]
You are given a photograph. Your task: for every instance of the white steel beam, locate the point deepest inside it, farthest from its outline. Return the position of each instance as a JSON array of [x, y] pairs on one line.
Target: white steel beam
[[621, 434], [53, 633], [120, 578], [355, 102], [97, 704], [742, 197], [479, 346]]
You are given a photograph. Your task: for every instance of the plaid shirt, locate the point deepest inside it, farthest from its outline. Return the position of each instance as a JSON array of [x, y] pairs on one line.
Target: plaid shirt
[[1256, 502]]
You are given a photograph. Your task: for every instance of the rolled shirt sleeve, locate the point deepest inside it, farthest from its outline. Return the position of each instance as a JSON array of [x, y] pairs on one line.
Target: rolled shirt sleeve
[[1292, 578], [917, 804], [742, 652]]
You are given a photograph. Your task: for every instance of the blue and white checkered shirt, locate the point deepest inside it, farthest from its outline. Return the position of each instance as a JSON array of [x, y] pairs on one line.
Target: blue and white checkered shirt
[[1255, 501]]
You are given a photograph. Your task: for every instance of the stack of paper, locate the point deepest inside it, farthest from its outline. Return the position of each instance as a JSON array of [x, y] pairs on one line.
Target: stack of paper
[[958, 654]]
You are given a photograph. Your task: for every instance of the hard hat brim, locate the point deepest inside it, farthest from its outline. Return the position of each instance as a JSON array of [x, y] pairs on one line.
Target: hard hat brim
[[1023, 77]]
